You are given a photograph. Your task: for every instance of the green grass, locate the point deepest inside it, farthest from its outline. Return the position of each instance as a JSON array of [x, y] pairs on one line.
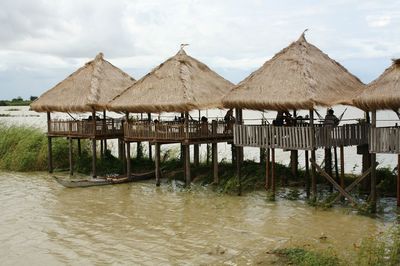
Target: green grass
[[303, 257]]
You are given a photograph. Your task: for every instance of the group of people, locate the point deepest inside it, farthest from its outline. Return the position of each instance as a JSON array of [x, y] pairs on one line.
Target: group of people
[[284, 118]]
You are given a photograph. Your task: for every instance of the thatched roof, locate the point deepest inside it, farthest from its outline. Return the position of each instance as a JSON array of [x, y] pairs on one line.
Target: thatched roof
[[90, 87], [180, 84], [382, 93], [299, 77]]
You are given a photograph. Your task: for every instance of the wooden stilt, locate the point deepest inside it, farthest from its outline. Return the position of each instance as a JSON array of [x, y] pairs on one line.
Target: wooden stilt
[[294, 154], [71, 166], [187, 165], [101, 149], [128, 159], [336, 165], [307, 176], [139, 150], [328, 163], [215, 162], [313, 158], [123, 156], [238, 170], [373, 172], [196, 155], [79, 148], [398, 180], [267, 169], [273, 183], [157, 162], [49, 145], [94, 155], [342, 166], [150, 148]]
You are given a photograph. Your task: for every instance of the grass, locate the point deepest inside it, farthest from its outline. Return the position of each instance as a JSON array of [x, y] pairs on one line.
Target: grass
[[304, 257]]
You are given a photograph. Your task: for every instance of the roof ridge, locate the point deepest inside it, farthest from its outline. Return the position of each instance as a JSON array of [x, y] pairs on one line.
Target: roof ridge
[[94, 94]]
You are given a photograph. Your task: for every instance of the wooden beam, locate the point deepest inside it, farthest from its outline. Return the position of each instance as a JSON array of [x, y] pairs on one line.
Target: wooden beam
[[273, 185], [215, 162], [342, 166], [94, 155], [307, 175], [157, 163], [313, 158], [373, 172], [355, 183], [71, 166], [128, 159], [150, 149], [196, 155], [333, 182], [187, 165], [267, 169], [49, 145], [79, 147]]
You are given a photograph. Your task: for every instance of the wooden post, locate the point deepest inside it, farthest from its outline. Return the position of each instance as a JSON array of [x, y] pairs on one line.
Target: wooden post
[[196, 155], [123, 153], [94, 155], [267, 169], [101, 149], [150, 149], [128, 159], [157, 162], [105, 131], [262, 149], [187, 151], [328, 162], [373, 172], [398, 180], [366, 160], [79, 148], [342, 166], [307, 176], [215, 153], [238, 154], [139, 150], [208, 154], [71, 166], [313, 157], [273, 185], [49, 145]]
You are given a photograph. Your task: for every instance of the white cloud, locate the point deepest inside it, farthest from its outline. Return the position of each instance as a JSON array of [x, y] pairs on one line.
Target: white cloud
[[378, 21]]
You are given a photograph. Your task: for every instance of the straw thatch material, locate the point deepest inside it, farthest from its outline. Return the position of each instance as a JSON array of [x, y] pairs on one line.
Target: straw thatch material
[[89, 88], [382, 93], [180, 84], [299, 77]]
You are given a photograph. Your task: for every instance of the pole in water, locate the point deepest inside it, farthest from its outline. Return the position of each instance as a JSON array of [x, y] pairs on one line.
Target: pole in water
[[71, 166], [267, 169], [273, 185], [398, 180], [307, 176], [157, 162], [94, 174], [128, 159], [373, 172]]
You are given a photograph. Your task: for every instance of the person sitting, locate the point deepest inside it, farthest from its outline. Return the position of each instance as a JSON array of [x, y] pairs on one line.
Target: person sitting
[[278, 122], [331, 119], [204, 126]]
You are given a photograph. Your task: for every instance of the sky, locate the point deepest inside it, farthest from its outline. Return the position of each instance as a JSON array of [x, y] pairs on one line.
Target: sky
[[43, 41]]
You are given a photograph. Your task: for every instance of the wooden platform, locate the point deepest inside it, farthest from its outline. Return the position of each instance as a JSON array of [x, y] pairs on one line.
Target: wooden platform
[[300, 137], [99, 129], [177, 132], [384, 140]]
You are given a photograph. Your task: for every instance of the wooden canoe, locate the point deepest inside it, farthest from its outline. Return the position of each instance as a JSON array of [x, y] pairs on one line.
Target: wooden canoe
[[101, 181]]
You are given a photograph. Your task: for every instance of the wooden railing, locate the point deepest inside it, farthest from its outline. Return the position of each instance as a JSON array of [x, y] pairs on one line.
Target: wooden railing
[[384, 140], [299, 137], [86, 128], [177, 131]]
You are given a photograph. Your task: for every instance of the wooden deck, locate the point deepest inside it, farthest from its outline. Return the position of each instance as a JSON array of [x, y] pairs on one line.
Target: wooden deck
[[174, 132], [300, 137], [108, 128], [385, 140]]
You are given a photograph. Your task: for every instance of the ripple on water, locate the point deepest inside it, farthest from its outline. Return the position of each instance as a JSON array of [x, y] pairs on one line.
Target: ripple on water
[[44, 223]]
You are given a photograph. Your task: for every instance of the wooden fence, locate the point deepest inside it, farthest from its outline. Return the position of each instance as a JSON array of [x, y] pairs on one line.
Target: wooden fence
[[384, 140], [177, 131], [299, 137], [86, 128]]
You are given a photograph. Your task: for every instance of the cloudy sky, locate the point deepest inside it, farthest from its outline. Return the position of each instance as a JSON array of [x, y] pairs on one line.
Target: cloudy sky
[[43, 41]]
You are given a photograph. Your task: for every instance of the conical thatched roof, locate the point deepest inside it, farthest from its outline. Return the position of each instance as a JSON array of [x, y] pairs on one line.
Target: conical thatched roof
[[299, 77], [90, 87], [382, 93], [180, 84]]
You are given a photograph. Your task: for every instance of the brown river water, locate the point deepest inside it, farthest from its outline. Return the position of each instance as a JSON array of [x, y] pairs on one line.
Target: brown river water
[[43, 223]]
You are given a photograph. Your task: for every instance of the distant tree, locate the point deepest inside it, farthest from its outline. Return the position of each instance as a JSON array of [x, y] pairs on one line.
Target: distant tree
[[32, 98], [18, 99], [3, 103]]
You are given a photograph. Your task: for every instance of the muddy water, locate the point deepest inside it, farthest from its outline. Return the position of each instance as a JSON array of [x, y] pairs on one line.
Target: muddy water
[[42, 223]]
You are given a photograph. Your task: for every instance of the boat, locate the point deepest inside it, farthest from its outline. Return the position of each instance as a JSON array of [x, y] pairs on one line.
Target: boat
[[101, 181]]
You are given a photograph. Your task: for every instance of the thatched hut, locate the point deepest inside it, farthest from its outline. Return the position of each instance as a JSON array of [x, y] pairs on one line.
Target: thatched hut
[[180, 84], [88, 89], [299, 77], [383, 94]]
